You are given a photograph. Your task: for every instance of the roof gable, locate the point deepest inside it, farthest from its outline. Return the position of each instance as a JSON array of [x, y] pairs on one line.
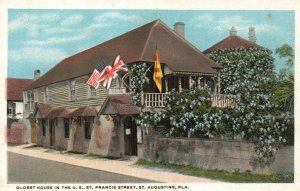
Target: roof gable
[[232, 42], [134, 46], [42, 110], [14, 88], [121, 104]]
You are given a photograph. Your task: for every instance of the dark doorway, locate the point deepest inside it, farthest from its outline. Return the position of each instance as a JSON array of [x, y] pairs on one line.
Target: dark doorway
[[130, 137], [52, 133]]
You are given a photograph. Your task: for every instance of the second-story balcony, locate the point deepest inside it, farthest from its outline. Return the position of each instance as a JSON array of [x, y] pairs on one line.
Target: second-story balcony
[[158, 100]]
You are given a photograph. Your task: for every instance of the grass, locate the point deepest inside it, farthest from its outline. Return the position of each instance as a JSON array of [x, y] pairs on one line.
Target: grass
[[221, 175], [13, 144], [33, 146]]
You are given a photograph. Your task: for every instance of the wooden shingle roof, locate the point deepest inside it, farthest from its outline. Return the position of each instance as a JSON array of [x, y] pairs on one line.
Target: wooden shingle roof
[[14, 88], [84, 111], [134, 46], [232, 42], [122, 104]]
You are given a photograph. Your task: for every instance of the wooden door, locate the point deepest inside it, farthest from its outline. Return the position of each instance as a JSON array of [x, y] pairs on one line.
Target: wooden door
[[130, 137], [33, 131], [52, 133]]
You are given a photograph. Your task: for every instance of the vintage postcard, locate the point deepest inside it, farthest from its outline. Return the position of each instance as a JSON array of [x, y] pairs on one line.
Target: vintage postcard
[[129, 95]]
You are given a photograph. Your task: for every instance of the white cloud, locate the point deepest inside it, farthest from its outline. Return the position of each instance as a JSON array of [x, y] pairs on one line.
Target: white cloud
[[37, 55], [27, 21], [81, 34], [115, 15], [72, 20], [53, 32], [56, 30], [205, 18]]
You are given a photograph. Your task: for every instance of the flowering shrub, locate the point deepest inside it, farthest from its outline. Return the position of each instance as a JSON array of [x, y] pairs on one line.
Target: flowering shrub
[[138, 80], [249, 72]]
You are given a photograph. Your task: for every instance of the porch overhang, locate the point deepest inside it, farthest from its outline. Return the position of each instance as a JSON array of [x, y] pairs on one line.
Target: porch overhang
[[85, 111], [119, 104], [41, 110]]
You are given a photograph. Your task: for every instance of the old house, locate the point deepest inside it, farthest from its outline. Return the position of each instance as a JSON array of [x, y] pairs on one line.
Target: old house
[[235, 41], [14, 96], [63, 112]]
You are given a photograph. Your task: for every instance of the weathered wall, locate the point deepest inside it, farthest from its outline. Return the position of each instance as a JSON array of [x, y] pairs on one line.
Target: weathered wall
[[58, 94], [40, 139], [80, 143], [212, 154], [106, 137], [15, 133], [60, 141]]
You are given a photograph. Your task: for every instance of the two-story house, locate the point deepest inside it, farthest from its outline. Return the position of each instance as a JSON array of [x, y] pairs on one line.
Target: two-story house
[[14, 96], [62, 111]]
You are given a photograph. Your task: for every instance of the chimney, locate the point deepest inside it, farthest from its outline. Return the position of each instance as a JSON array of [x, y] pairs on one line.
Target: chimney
[[37, 74], [179, 28], [233, 31], [252, 37]]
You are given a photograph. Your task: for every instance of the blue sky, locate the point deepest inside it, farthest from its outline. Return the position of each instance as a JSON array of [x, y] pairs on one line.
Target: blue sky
[[39, 39]]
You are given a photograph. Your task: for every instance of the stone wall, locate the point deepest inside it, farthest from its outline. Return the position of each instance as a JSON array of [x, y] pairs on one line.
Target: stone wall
[[212, 154], [15, 133]]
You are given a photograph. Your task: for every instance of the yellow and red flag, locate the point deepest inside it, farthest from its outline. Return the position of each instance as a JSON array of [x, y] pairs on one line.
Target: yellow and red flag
[[157, 75]]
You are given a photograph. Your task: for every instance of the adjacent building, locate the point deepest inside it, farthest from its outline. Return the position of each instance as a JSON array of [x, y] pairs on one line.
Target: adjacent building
[[14, 96]]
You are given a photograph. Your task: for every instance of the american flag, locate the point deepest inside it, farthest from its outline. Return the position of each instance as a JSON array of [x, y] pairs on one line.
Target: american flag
[[94, 79]]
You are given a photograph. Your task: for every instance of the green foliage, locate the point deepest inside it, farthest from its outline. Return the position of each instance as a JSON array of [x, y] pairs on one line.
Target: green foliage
[[287, 52], [187, 111], [284, 93], [222, 175], [284, 86], [249, 72], [245, 70], [139, 80]]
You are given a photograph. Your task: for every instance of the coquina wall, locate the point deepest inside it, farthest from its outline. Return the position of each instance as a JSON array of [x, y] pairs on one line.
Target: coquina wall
[[212, 154]]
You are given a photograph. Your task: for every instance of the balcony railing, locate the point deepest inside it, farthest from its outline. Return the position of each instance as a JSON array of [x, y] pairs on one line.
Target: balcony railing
[[157, 100], [153, 99]]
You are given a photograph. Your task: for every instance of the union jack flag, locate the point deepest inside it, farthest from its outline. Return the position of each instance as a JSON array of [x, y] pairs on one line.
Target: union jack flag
[[111, 72]]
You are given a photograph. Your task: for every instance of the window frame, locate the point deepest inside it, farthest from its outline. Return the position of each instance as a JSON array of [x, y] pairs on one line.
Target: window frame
[[92, 90], [46, 95], [11, 108], [87, 122], [72, 90]]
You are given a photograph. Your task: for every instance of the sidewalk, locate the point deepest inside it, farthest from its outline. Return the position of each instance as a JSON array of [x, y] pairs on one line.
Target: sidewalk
[[116, 166]]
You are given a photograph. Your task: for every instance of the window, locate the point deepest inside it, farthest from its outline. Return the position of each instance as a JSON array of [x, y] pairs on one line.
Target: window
[[87, 127], [46, 95], [72, 90], [44, 127], [35, 95], [11, 108], [185, 84], [210, 84], [25, 97], [67, 128], [31, 100], [92, 92]]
